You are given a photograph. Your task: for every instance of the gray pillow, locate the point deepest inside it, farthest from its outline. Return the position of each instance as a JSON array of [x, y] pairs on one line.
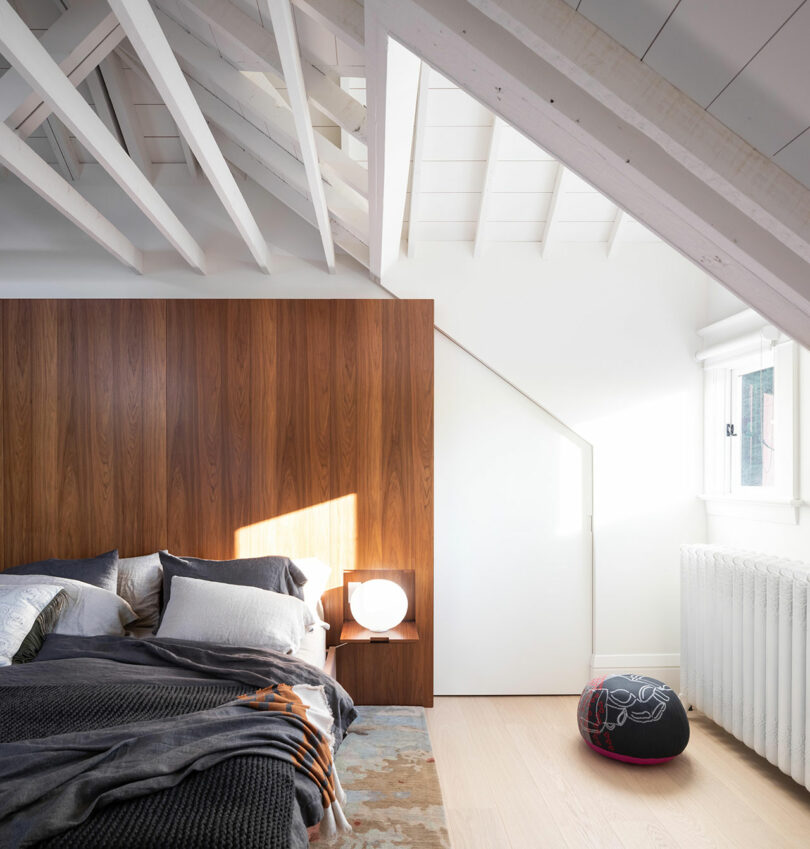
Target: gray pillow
[[279, 574], [101, 571], [43, 625], [140, 580]]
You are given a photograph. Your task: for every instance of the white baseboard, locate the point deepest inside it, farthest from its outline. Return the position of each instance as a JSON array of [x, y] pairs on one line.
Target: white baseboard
[[664, 667], [634, 661]]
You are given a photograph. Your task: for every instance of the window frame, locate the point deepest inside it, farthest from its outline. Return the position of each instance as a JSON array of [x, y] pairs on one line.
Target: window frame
[[722, 494]]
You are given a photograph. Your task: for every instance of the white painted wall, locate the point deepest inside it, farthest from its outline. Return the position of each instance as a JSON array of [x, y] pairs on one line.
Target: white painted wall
[[607, 346], [774, 538]]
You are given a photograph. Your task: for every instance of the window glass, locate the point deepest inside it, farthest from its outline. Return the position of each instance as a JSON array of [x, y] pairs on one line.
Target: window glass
[[757, 467]]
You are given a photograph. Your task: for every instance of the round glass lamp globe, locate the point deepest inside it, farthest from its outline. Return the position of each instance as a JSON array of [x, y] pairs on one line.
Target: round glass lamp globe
[[379, 605]]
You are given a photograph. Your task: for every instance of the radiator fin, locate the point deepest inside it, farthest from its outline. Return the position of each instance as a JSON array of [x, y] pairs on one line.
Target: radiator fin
[[745, 649]]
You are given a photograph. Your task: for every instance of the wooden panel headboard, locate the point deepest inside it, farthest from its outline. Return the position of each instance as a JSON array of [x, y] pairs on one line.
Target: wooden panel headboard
[[224, 429]]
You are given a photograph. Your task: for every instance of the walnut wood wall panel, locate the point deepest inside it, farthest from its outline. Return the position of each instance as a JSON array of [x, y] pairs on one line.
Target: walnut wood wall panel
[[278, 411], [83, 428], [224, 429]]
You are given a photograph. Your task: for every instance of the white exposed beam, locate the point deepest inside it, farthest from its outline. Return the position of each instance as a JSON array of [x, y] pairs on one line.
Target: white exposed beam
[[77, 41], [63, 150], [643, 143], [283, 189], [693, 182], [21, 47], [324, 93], [486, 190], [124, 109], [22, 161], [349, 213], [554, 203], [343, 18], [256, 99], [143, 30], [418, 148], [615, 230], [281, 15], [392, 79]]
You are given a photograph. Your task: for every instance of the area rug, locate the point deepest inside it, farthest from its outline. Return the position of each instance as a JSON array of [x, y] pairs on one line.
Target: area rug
[[386, 768]]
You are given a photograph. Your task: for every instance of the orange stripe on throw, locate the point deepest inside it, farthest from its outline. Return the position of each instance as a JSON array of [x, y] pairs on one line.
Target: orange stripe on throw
[[314, 756]]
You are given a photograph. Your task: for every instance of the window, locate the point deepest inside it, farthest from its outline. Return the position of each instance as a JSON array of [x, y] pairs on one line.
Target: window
[[754, 409], [750, 429]]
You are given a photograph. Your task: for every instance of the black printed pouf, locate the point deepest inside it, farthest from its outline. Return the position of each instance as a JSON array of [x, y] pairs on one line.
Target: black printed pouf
[[632, 718]]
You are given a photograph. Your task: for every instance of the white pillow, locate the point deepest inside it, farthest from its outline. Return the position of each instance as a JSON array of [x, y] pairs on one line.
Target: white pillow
[[19, 608], [89, 610], [317, 573], [140, 581], [233, 615]]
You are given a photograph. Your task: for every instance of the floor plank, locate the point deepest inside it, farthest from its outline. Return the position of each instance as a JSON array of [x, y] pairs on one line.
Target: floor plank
[[515, 774]]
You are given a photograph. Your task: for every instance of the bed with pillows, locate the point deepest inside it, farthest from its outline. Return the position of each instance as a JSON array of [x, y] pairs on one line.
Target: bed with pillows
[[167, 701]]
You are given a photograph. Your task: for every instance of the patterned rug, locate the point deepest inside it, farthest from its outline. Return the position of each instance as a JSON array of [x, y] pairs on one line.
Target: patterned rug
[[386, 768]]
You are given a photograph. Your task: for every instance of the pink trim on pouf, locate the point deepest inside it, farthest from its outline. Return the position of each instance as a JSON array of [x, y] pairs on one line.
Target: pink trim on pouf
[[627, 759]]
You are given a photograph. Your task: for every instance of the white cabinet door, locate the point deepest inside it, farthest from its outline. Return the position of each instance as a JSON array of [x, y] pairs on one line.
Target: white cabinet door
[[513, 494]]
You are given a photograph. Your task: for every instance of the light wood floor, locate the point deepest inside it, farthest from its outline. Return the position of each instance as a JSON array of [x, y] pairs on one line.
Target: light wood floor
[[515, 774]]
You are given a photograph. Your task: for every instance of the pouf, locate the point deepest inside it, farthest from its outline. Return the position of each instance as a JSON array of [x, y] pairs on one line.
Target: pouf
[[632, 718]]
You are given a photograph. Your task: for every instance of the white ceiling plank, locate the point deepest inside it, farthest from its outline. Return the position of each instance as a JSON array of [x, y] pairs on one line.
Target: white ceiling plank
[[256, 97], [557, 78], [101, 102], [324, 93], [18, 157], [63, 150], [551, 216], [633, 23], [486, 189], [143, 30], [281, 15], [121, 99], [767, 103], [31, 59], [284, 191], [418, 156], [343, 18], [704, 45], [615, 232], [392, 85], [77, 41], [584, 206]]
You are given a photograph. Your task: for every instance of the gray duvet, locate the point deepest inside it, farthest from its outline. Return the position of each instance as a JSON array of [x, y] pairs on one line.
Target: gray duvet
[[51, 783]]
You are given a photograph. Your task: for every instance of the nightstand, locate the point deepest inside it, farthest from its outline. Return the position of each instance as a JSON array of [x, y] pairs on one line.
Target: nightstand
[[377, 668]]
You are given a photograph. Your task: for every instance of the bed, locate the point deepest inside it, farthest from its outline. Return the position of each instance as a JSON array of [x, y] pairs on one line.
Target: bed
[[142, 741]]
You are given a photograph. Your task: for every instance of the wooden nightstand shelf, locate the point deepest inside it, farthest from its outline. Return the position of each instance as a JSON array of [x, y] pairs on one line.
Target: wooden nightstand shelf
[[405, 632], [377, 668]]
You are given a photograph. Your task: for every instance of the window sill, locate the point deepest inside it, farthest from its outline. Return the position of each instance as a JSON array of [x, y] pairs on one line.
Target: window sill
[[783, 511]]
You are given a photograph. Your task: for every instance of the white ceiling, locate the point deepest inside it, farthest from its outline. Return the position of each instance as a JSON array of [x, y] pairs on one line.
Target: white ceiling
[[456, 143], [457, 136], [742, 60], [745, 61]]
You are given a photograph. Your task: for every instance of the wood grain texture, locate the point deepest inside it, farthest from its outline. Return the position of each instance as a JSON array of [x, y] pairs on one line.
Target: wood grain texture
[[515, 773], [84, 430], [224, 429]]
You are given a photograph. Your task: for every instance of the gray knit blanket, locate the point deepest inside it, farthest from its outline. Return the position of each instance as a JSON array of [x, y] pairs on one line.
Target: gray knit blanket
[[114, 742]]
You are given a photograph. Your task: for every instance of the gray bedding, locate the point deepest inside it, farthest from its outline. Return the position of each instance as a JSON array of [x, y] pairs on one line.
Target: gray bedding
[[56, 780]]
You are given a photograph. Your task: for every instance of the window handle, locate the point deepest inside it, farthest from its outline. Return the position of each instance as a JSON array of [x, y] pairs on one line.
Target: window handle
[[730, 430]]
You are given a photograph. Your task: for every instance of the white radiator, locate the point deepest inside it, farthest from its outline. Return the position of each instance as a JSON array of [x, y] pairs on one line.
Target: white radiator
[[745, 649]]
